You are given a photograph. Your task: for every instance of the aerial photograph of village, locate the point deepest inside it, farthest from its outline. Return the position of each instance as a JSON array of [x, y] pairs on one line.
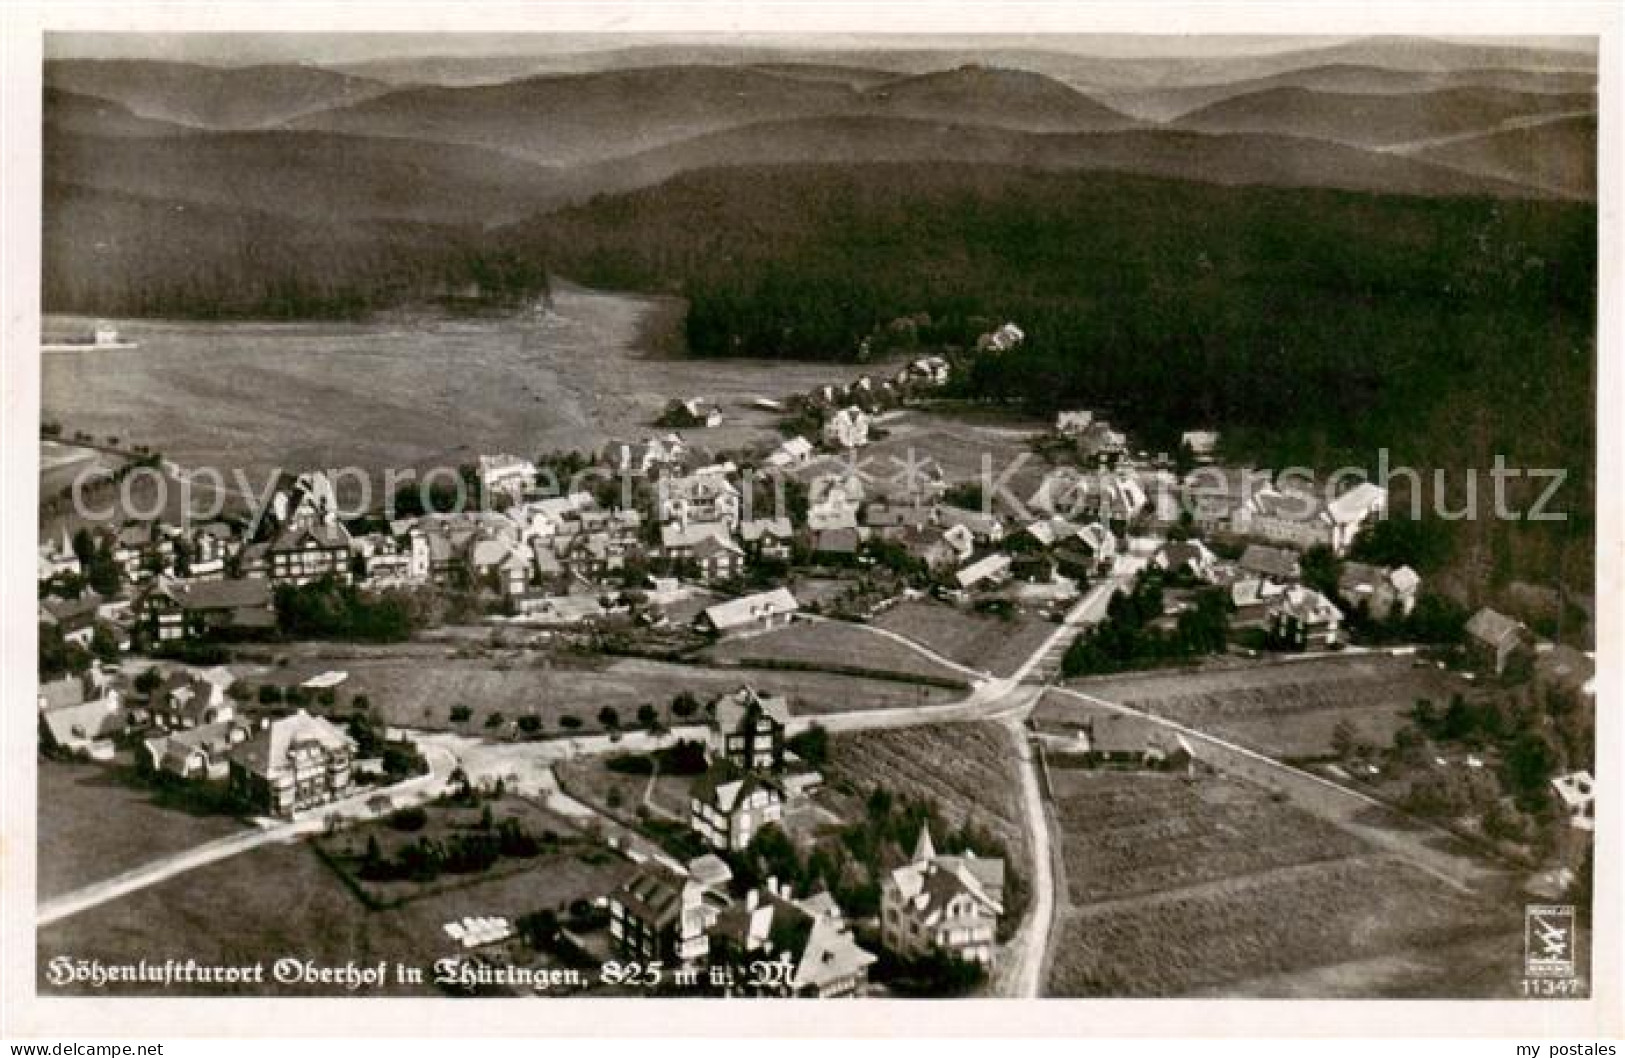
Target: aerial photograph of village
[[833, 517]]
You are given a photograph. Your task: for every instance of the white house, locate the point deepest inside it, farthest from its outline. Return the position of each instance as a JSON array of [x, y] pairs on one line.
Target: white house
[[759, 612], [1578, 792]]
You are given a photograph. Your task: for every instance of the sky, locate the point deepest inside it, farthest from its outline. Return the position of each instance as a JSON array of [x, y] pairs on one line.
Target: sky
[[335, 48]]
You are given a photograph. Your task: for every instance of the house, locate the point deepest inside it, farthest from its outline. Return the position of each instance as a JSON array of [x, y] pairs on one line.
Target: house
[[661, 915], [195, 753], [295, 763], [387, 558], [1275, 564], [1381, 592], [847, 428], [984, 573], [1577, 790], [1303, 619], [1073, 423], [893, 521], [1250, 601], [74, 618], [1097, 495], [942, 904], [171, 610], [792, 453], [301, 553], [746, 729], [960, 541], [1002, 340], [1052, 530], [718, 558], [57, 558], [931, 370], [810, 936], [648, 456], [82, 715], [984, 527], [1353, 511], [701, 413], [704, 496], [767, 537], [505, 476], [302, 501], [1216, 497], [1494, 640], [1186, 557], [209, 548], [184, 699], [727, 807], [1293, 517], [749, 613], [141, 551], [678, 539]]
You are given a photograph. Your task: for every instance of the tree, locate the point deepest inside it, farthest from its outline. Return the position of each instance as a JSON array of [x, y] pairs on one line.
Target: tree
[[685, 705], [609, 718], [569, 721], [648, 717], [84, 546], [812, 745]]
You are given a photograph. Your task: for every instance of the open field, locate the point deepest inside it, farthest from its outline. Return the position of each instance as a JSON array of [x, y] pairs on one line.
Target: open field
[[396, 392], [971, 770], [1288, 921], [1285, 709], [445, 821], [419, 692], [960, 444], [833, 644], [96, 821], [973, 639], [1125, 834]]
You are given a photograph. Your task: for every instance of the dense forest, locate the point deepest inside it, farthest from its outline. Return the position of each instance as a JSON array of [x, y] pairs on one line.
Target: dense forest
[[1316, 328]]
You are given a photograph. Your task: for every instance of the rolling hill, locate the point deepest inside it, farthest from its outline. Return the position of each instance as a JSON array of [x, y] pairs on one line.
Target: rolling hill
[[64, 111], [1559, 155], [980, 95], [241, 97], [572, 120], [1377, 120]]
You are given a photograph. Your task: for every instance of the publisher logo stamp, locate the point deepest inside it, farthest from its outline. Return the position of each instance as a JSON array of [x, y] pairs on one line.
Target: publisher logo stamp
[[1548, 940]]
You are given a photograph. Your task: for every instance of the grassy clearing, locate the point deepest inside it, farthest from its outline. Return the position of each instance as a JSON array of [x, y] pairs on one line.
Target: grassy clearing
[[96, 821], [281, 899], [1282, 922], [979, 641], [970, 770], [1290, 709], [835, 645], [1128, 833]]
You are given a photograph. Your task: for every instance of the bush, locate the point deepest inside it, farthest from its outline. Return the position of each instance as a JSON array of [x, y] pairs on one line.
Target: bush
[[530, 723]]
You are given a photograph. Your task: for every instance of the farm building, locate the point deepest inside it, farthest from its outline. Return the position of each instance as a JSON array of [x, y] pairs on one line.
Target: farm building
[[1494, 640]]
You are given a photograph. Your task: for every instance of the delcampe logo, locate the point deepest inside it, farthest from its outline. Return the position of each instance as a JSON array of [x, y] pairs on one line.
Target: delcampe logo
[[1548, 940]]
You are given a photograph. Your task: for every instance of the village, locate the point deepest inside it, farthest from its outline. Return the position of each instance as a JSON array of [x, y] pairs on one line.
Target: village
[[659, 698]]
